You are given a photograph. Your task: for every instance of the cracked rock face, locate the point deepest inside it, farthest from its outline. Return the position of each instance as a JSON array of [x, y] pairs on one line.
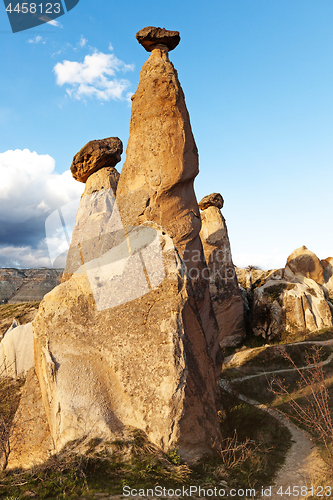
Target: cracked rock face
[[150, 37], [96, 155], [105, 372]]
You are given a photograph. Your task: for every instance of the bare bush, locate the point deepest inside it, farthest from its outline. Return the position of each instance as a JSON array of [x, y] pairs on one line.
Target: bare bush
[[314, 414]]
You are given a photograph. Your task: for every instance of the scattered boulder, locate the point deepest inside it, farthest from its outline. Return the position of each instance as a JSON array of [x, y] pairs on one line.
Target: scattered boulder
[[305, 263], [96, 155], [151, 37], [225, 292], [157, 186]]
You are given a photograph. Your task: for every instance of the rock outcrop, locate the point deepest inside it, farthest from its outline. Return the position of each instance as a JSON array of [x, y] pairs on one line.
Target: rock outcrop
[[295, 298], [224, 289], [27, 285], [156, 182], [305, 263], [17, 351]]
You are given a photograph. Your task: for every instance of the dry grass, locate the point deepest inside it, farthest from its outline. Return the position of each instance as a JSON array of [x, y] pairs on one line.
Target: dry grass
[[24, 313]]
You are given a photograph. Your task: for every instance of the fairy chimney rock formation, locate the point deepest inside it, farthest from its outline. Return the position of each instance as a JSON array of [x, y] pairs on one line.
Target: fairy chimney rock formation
[[224, 289], [95, 164], [128, 341], [156, 181]]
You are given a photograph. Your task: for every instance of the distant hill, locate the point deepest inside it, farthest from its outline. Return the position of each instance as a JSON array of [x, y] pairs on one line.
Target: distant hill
[[27, 285]]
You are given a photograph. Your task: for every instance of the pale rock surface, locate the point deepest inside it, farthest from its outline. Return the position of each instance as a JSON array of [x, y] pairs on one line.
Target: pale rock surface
[[225, 292], [328, 277], [30, 442], [96, 155], [98, 225], [105, 178], [17, 351], [141, 364], [156, 181]]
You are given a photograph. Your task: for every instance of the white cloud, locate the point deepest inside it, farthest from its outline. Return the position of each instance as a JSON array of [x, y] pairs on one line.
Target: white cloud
[[30, 187], [24, 257], [30, 190], [53, 22], [37, 39], [83, 41], [91, 78], [264, 261]]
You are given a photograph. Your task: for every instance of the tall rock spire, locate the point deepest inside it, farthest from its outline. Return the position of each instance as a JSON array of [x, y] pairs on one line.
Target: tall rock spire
[[156, 182]]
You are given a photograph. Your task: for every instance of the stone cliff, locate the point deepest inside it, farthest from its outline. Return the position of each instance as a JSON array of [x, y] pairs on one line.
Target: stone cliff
[[27, 285]]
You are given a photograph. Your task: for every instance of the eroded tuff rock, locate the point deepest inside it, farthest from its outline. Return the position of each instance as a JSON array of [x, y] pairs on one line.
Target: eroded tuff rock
[[296, 298], [96, 155], [156, 181], [224, 289], [150, 37], [97, 222], [211, 200], [141, 364], [17, 351], [304, 262], [30, 442]]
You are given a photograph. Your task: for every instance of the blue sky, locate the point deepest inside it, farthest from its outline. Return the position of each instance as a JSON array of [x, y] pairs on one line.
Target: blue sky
[[258, 80]]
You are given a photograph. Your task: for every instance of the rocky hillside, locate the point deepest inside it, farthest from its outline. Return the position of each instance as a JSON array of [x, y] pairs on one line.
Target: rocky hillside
[[296, 298], [27, 285]]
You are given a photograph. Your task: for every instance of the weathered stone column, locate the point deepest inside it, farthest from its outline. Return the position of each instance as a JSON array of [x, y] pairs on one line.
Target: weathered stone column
[[156, 182]]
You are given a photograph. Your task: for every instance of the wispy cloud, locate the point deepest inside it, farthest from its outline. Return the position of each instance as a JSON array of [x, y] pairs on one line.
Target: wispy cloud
[[53, 22], [93, 77], [37, 39], [83, 41]]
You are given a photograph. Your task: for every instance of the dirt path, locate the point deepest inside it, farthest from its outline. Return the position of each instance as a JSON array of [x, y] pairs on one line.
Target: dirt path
[[283, 370], [303, 465]]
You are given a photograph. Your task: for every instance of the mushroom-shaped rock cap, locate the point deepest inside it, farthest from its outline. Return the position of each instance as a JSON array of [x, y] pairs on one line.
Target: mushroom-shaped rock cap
[[149, 37], [211, 200], [96, 155]]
